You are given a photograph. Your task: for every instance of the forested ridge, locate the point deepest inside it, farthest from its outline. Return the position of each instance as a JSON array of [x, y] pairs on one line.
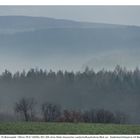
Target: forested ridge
[[116, 90]]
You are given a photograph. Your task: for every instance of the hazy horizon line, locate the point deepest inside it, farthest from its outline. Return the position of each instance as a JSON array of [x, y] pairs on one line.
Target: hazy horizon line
[[72, 20]]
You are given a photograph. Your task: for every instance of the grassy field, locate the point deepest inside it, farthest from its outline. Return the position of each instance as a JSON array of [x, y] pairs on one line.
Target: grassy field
[[67, 128]]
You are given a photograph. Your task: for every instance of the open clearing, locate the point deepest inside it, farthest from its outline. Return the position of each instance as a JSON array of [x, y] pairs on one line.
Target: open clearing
[[66, 128]]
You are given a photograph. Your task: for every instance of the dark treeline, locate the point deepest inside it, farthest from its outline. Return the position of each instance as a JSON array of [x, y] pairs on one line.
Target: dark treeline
[[26, 109], [117, 90]]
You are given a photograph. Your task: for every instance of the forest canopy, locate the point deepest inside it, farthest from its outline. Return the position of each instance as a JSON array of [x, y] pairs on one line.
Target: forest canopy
[[116, 90]]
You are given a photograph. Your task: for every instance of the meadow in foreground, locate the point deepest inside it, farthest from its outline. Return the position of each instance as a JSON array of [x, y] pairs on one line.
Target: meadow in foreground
[[66, 128]]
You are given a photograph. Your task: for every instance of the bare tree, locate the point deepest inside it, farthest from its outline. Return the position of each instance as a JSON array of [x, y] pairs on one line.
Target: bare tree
[[25, 107], [67, 116], [50, 112], [104, 116], [89, 116]]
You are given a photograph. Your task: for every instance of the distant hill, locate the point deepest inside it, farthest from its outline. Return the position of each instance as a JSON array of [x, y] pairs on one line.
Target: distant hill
[[25, 23], [50, 42]]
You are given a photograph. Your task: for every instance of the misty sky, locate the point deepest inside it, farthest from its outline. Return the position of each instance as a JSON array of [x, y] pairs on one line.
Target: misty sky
[[128, 15]]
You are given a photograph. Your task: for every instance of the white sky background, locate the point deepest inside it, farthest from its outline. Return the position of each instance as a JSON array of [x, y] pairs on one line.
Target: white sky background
[[128, 15]]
